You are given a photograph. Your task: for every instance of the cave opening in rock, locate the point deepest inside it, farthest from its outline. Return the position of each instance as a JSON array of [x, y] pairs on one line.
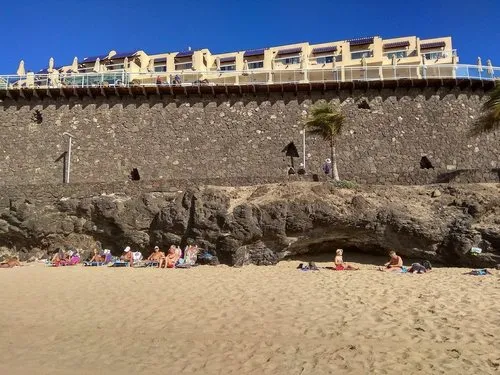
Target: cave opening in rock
[[324, 252], [134, 175], [425, 163], [37, 117], [364, 105]]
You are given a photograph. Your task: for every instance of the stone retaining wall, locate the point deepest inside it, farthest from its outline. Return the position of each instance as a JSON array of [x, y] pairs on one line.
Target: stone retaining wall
[[240, 138]]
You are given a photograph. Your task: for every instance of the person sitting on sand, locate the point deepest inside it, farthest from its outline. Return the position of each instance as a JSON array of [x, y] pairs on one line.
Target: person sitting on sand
[[98, 257], [128, 256], [171, 257], [394, 264], [10, 263], [59, 257], [340, 265]]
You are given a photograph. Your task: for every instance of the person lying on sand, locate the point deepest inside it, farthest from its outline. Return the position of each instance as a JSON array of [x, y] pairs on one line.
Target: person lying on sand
[[127, 256], [340, 265], [10, 263], [156, 256], [419, 268], [394, 264]]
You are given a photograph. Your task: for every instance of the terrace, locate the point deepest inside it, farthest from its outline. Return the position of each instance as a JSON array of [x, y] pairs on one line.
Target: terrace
[[121, 83]]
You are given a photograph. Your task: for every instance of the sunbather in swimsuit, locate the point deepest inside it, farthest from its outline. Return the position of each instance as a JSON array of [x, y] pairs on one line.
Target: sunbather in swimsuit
[[10, 263], [156, 256], [394, 264], [128, 256], [340, 265], [171, 258], [98, 258]]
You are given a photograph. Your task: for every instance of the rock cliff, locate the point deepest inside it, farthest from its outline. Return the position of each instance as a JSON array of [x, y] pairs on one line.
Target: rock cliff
[[264, 224]]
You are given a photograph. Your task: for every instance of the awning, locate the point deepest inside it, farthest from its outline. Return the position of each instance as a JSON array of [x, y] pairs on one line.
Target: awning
[[289, 51], [228, 59], [360, 41], [185, 54], [160, 60], [92, 59], [122, 55], [254, 52], [324, 49], [432, 45], [402, 44]]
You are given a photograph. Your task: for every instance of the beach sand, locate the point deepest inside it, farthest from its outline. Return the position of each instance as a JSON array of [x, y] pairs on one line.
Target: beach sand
[[251, 320]]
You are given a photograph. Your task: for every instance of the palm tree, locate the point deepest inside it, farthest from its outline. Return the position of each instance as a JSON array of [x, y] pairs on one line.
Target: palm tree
[[326, 121], [490, 120]]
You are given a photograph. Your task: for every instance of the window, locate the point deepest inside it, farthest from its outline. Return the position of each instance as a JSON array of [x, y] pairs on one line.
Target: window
[[115, 67], [361, 54], [160, 68], [289, 60], [182, 66], [256, 65], [397, 54], [228, 67], [435, 55], [325, 59]]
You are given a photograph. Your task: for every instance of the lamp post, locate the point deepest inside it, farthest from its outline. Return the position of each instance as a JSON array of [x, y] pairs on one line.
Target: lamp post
[[303, 132], [68, 160]]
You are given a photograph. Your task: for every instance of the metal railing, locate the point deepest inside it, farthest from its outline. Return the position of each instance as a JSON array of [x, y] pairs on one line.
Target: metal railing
[[249, 77]]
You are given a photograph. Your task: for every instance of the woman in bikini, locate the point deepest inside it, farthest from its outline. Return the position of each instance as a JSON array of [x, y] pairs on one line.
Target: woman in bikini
[[340, 265], [98, 257], [394, 264]]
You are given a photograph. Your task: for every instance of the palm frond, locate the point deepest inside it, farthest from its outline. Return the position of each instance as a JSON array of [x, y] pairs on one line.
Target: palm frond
[[325, 121], [490, 120]]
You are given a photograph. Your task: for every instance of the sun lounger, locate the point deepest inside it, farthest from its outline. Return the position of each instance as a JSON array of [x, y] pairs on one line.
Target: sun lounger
[[93, 264], [119, 263]]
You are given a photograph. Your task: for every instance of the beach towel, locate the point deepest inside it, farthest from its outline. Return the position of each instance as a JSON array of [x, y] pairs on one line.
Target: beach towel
[[479, 272]]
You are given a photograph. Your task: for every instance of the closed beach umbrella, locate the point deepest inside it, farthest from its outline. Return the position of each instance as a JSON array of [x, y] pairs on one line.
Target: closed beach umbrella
[[394, 61], [303, 61], [217, 63], [97, 65], [490, 67], [245, 68], [334, 62], [479, 65], [151, 65], [74, 66], [20, 69], [51, 65], [125, 63], [363, 62]]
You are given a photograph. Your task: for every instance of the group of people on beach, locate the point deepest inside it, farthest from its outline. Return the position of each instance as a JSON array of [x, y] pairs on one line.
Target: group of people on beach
[[395, 264], [174, 257]]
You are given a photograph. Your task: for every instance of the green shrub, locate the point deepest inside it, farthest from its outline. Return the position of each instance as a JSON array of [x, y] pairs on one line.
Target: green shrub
[[344, 184]]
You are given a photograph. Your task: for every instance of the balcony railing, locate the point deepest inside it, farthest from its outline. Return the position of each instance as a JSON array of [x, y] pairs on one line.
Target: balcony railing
[[438, 55], [249, 77]]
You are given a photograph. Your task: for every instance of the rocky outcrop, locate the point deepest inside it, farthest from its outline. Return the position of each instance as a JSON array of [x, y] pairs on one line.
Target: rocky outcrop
[[264, 224]]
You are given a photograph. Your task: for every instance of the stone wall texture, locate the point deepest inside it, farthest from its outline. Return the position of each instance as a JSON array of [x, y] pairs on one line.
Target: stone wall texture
[[240, 138]]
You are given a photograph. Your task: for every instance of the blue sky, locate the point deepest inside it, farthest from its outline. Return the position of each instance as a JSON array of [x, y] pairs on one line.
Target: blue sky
[[36, 30]]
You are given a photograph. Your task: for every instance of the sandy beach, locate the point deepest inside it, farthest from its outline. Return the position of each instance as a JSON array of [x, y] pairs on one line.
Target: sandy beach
[[251, 320]]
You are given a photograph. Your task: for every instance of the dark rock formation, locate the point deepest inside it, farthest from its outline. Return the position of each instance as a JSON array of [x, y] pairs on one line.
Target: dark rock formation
[[263, 224]]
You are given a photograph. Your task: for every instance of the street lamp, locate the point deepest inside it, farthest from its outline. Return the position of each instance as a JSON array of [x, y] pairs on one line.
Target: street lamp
[[68, 160], [303, 132]]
